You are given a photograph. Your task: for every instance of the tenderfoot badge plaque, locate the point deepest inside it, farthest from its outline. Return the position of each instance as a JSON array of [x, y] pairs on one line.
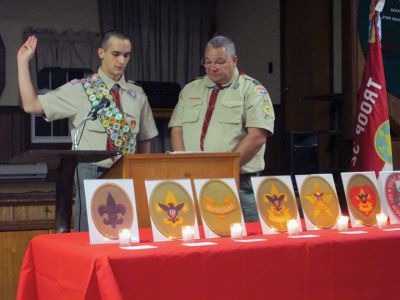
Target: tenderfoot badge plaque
[[320, 202], [170, 208], [276, 204], [219, 207], [111, 210]]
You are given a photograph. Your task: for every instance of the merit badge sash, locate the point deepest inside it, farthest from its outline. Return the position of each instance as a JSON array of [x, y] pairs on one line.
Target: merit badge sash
[[111, 117]]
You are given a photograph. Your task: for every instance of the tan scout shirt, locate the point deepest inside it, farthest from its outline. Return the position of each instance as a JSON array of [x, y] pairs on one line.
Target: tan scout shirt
[[71, 101], [243, 103]]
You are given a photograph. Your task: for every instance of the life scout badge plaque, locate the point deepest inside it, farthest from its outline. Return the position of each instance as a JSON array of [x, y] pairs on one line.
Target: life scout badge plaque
[[363, 199], [319, 201], [392, 193], [171, 207]]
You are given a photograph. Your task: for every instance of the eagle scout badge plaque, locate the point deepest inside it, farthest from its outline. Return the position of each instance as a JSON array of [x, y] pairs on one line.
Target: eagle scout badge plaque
[[219, 206], [390, 183], [319, 201], [362, 197], [276, 203], [171, 206], [111, 207]]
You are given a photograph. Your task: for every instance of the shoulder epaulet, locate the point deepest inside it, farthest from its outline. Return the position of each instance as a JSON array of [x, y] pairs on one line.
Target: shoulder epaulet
[[75, 81], [134, 83], [247, 77]]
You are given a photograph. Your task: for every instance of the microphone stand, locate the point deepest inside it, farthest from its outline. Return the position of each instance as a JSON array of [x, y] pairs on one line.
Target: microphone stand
[[89, 117]]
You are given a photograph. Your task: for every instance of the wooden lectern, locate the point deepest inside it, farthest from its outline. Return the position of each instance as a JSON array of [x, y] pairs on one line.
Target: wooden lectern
[[141, 167]]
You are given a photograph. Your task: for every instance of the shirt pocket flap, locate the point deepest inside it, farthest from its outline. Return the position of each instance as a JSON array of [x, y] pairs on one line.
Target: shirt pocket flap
[[231, 112], [191, 111]]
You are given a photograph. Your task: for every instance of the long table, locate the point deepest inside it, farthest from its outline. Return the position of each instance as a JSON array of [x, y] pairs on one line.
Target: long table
[[328, 266]]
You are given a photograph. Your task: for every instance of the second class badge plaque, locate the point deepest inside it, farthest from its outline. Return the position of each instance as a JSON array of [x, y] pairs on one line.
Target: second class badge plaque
[[319, 202], [219, 206], [171, 207]]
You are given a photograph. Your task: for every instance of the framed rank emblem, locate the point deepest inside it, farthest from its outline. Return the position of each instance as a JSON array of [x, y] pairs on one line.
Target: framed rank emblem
[[362, 197], [111, 206], [219, 206], [319, 200], [171, 206], [276, 203]]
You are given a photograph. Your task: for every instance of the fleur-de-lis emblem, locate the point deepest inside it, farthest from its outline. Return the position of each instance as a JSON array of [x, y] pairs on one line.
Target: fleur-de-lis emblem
[[112, 212]]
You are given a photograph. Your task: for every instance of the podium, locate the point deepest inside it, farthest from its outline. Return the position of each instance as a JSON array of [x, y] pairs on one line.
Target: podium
[[66, 160], [141, 167]]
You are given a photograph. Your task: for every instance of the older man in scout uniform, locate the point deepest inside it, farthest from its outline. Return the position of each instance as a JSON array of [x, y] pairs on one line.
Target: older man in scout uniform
[[127, 119], [225, 111]]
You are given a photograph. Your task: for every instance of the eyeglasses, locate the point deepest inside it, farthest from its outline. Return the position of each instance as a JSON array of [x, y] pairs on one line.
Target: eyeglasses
[[218, 64]]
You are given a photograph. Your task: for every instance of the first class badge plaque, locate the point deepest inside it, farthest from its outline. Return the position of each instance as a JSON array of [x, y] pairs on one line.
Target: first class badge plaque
[[276, 204], [111, 210], [171, 207], [319, 201], [363, 199], [219, 206]]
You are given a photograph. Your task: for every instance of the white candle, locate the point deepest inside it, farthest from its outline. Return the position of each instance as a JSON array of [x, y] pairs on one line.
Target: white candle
[[381, 219], [292, 226], [188, 234], [236, 230], [342, 223], [124, 237]]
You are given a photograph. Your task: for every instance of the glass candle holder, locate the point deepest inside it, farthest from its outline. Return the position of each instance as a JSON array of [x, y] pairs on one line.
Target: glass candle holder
[[124, 237], [188, 234], [381, 220], [236, 231], [343, 223], [293, 227]]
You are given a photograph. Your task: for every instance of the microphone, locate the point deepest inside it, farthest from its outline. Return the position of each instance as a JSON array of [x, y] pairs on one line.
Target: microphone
[[104, 103]]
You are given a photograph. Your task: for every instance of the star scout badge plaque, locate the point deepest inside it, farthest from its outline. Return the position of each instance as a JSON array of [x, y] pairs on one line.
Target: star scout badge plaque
[[390, 185], [111, 207], [171, 206], [362, 197], [319, 201], [219, 206], [276, 203]]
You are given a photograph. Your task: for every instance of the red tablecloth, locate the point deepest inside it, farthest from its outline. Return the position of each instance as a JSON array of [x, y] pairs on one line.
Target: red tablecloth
[[330, 266]]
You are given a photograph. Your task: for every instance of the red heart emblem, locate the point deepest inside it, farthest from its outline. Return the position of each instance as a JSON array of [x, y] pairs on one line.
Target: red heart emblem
[[363, 198]]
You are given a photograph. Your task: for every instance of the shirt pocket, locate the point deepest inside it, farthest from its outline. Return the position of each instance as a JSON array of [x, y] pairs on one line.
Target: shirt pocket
[[231, 112], [191, 112], [94, 126]]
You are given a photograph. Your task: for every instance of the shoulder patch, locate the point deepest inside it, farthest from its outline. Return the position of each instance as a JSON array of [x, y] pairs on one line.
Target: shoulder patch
[[260, 90]]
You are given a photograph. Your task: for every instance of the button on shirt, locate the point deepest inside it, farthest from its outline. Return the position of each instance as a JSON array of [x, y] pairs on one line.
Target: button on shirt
[[242, 104]]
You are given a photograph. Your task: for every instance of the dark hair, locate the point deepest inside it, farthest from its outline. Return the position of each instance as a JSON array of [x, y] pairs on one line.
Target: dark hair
[[112, 33]]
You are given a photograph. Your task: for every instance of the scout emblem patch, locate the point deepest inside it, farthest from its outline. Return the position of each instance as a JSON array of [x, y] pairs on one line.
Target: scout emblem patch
[[110, 117], [170, 208], [111, 210]]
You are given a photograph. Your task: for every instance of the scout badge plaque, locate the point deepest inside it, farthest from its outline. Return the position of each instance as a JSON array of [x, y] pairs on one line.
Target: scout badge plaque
[[171, 206], [219, 206], [390, 182], [319, 200], [110, 207], [275, 202], [362, 196]]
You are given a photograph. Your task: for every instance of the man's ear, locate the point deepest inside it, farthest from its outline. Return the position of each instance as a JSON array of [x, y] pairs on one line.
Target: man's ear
[[234, 59], [100, 53]]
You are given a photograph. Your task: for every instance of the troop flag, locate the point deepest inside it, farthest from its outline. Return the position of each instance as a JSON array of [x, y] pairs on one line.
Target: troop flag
[[372, 148]]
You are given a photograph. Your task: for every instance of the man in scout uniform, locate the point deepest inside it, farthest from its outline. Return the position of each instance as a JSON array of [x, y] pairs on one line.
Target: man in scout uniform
[[127, 119], [225, 111]]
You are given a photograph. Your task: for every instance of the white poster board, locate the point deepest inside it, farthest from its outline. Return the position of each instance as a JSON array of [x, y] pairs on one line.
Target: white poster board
[[111, 206]]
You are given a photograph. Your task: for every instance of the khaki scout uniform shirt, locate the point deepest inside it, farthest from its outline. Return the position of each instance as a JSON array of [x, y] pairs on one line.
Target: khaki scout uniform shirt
[[243, 103], [71, 101]]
